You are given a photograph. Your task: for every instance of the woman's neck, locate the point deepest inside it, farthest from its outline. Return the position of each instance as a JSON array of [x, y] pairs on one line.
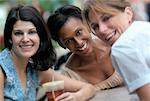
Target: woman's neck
[[19, 62]]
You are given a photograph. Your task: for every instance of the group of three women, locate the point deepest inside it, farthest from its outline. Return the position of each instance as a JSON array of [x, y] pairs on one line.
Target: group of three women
[[29, 48]]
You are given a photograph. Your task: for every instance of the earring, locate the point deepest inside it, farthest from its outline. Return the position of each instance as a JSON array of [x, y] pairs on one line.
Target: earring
[[129, 21]]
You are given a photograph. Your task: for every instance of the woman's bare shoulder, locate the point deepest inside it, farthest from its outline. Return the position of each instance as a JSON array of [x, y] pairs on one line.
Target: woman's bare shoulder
[[72, 61]]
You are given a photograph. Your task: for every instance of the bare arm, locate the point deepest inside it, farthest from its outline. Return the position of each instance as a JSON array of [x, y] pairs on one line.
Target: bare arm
[[1, 85], [76, 90], [144, 93]]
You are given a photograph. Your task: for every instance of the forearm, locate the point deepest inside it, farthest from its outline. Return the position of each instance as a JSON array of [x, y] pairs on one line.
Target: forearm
[[144, 93], [1, 92], [85, 93], [2, 78]]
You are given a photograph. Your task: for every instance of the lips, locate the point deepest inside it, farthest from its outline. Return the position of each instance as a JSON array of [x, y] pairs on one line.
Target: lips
[[26, 46]]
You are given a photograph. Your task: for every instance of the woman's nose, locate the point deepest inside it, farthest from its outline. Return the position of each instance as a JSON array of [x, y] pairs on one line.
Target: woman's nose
[[78, 41], [25, 37]]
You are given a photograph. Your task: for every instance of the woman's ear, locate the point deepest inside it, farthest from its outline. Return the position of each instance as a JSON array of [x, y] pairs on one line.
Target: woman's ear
[[129, 12]]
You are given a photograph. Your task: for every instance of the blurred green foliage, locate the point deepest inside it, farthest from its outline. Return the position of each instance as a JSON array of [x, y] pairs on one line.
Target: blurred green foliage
[[48, 5], [1, 47], [2, 1]]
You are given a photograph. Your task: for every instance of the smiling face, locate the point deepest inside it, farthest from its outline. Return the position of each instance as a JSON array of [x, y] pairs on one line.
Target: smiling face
[[109, 27], [25, 40], [75, 36]]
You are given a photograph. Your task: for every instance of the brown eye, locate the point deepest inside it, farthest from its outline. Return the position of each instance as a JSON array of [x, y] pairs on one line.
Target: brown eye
[[106, 18], [95, 26], [78, 33], [18, 33], [32, 32], [67, 42]]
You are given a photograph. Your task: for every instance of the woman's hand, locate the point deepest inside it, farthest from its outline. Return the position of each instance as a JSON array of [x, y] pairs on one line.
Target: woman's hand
[[67, 96]]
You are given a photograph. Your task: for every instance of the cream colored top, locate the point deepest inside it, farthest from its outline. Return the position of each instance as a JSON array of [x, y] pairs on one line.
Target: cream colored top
[[113, 81]]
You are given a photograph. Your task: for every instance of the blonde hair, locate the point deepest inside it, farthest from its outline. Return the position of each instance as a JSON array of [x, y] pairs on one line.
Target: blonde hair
[[110, 7]]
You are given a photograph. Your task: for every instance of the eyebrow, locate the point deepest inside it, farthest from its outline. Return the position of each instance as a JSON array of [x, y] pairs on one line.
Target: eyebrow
[[101, 16], [17, 29]]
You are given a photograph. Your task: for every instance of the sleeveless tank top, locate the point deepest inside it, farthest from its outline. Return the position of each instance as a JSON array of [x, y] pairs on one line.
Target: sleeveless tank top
[[12, 86]]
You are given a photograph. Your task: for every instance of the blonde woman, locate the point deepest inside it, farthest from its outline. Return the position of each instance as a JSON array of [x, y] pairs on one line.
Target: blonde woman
[[113, 22]]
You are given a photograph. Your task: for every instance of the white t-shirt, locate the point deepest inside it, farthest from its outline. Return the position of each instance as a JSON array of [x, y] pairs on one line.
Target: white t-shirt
[[131, 55]]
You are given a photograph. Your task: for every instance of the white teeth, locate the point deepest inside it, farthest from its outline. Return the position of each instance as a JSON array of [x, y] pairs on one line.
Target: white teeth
[[110, 36], [26, 46], [84, 47]]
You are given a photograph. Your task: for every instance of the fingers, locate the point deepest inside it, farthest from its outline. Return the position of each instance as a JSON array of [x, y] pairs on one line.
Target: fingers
[[66, 97]]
